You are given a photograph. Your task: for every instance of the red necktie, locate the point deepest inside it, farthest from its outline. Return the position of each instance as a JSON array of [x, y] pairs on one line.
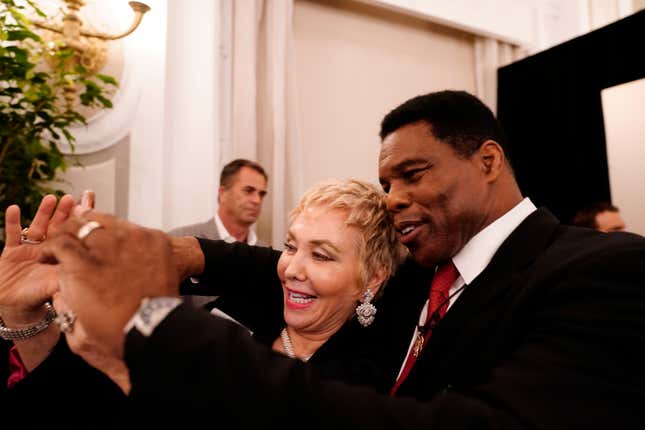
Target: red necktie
[[438, 303]]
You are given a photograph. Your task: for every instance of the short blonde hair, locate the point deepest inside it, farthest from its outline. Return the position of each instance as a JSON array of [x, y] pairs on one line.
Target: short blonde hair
[[367, 211]]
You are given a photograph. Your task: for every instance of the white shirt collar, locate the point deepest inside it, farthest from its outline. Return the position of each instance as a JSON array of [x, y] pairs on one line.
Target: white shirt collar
[[477, 253], [251, 237]]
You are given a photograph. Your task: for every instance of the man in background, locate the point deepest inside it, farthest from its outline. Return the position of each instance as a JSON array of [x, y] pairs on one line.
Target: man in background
[[602, 216], [243, 186]]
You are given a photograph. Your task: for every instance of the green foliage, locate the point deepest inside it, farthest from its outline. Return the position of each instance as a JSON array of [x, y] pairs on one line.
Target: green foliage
[[34, 118]]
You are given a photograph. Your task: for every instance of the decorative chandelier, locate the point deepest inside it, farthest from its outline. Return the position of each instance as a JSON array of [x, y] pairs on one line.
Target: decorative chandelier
[[88, 46]]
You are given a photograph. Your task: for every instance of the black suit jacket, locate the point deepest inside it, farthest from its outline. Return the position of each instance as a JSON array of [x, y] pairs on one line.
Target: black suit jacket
[[549, 336]]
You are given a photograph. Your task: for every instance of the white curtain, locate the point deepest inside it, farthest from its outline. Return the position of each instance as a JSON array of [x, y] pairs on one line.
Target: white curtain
[[490, 54], [259, 102]]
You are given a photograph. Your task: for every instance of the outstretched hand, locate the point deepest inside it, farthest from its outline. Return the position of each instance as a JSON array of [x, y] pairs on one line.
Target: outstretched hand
[[25, 284]]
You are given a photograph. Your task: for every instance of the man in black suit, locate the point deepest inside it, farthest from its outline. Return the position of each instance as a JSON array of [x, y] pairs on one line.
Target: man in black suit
[[543, 327]]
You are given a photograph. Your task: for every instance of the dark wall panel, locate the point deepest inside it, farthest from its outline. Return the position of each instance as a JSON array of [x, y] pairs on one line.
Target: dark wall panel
[[550, 107]]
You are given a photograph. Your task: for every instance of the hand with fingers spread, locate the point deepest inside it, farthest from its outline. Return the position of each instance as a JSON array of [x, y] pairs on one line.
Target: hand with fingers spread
[[106, 266], [25, 284]]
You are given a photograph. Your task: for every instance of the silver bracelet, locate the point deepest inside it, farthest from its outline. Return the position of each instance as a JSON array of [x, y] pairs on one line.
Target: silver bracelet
[[28, 332]]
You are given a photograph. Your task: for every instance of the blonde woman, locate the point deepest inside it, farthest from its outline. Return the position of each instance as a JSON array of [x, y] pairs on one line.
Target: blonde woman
[[321, 302]]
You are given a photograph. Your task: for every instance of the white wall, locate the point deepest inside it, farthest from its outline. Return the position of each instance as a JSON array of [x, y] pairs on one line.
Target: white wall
[[533, 24], [121, 159], [508, 20], [145, 193], [349, 78], [164, 172], [623, 113], [191, 140], [174, 143]]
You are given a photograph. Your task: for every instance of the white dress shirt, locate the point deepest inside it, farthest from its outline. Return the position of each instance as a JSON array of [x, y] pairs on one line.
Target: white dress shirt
[[473, 258], [251, 237]]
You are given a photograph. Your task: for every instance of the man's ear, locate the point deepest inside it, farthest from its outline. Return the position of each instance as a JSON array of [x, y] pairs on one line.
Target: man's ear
[[492, 159], [220, 191]]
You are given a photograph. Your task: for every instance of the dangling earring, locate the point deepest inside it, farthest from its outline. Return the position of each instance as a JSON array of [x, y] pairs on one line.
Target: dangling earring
[[366, 310]]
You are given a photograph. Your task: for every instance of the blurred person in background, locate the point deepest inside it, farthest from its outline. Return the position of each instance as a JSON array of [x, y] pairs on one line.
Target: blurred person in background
[[602, 216]]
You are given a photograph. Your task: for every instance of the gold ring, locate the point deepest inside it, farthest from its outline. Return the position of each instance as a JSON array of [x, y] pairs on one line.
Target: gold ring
[[87, 228], [24, 239]]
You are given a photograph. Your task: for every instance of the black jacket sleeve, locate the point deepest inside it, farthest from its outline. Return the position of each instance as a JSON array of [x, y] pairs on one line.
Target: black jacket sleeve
[[246, 282], [219, 370], [229, 265]]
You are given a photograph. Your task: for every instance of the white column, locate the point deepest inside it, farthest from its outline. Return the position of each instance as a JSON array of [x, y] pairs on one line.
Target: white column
[[191, 127], [146, 135]]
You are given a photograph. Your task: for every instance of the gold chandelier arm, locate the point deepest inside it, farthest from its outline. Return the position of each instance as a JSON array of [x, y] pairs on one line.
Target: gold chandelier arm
[[42, 24], [139, 10]]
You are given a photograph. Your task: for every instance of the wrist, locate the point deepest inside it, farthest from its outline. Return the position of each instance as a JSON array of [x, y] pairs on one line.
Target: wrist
[[16, 330], [23, 317], [188, 256], [35, 350]]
